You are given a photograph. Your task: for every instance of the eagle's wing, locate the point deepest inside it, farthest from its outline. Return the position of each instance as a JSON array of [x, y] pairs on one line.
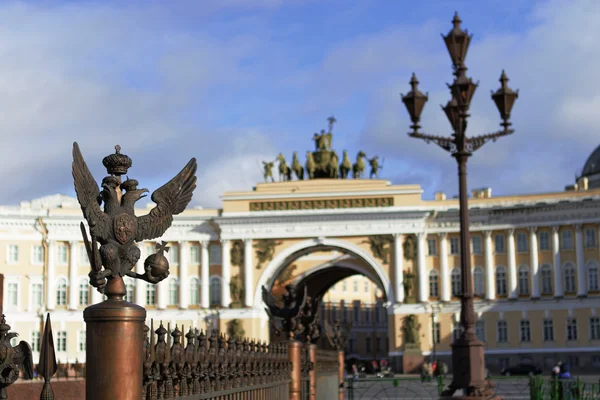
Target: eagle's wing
[[87, 195], [300, 300], [26, 359], [270, 302], [171, 199]]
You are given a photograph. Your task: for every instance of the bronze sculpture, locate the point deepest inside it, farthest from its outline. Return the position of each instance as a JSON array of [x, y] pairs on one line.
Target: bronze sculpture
[[12, 359], [374, 163], [237, 254], [310, 165], [236, 290], [346, 166], [285, 172], [285, 319], [359, 166], [309, 330], [410, 330], [408, 285], [268, 171], [380, 247], [337, 334], [116, 228], [297, 167], [265, 249]]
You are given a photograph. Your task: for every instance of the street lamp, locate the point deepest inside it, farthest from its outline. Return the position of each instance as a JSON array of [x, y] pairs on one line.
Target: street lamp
[[468, 363], [433, 309]]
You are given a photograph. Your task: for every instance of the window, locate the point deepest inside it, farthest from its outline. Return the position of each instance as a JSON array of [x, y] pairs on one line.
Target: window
[[456, 331], [376, 314], [367, 315], [573, 360], [567, 239], [476, 244], [523, 281], [129, 289], [456, 284], [521, 242], [194, 291], [37, 291], [351, 345], [366, 287], [150, 294], [13, 294], [378, 344], [195, 255], [594, 328], [35, 341], [595, 361], [368, 344], [569, 278], [173, 292], [503, 363], [544, 240], [590, 237], [437, 333], [480, 330], [81, 344], [571, 329], [61, 341], [13, 253], [478, 285], [546, 277], [433, 283], [84, 293], [525, 331], [548, 330], [592, 281], [355, 286], [499, 244], [432, 247], [214, 254], [215, 291], [501, 281], [37, 255], [61, 292], [333, 312], [344, 286], [61, 254], [173, 255], [356, 310], [83, 256], [454, 246]]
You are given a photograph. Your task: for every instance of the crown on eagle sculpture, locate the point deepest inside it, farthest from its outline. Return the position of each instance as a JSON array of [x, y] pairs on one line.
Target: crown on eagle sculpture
[[117, 164]]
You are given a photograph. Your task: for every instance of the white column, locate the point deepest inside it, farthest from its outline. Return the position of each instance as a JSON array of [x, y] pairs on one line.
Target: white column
[[204, 278], [248, 276], [225, 272], [163, 293], [73, 284], [581, 275], [140, 285], [444, 271], [51, 276], [423, 277], [97, 297], [558, 290], [490, 284], [533, 252], [398, 265], [184, 289], [512, 265]]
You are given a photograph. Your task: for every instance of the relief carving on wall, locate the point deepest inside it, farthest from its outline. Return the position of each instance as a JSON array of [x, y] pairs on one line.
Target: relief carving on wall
[[265, 249], [410, 248], [237, 254], [380, 247]]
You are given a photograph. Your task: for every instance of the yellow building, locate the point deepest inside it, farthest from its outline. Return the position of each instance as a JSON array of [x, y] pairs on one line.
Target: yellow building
[[535, 265]]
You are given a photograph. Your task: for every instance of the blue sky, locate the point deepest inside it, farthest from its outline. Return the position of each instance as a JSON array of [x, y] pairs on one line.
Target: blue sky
[[235, 82]]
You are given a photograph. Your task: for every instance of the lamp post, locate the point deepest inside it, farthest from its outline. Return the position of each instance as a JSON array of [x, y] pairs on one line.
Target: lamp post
[[468, 363], [433, 309]]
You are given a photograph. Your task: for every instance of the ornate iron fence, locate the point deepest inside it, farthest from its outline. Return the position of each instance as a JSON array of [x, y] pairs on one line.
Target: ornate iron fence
[[212, 367]]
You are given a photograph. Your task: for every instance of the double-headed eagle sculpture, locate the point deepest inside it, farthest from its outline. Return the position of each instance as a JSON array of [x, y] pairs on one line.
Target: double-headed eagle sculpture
[[116, 228], [285, 319], [12, 359]]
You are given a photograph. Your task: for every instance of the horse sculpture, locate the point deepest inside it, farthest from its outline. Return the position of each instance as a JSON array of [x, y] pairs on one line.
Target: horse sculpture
[[345, 166], [310, 165], [359, 166], [333, 167], [285, 172], [297, 167]]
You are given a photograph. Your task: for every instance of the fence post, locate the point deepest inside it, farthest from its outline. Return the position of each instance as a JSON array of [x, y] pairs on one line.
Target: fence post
[[294, 350], [114, 346], [312, 373], [341, 374]]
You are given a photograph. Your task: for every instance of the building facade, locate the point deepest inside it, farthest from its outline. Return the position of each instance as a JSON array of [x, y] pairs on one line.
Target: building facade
[[535, 265]]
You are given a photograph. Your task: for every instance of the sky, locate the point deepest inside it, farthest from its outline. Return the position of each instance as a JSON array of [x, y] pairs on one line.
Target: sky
[[235, 82]]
